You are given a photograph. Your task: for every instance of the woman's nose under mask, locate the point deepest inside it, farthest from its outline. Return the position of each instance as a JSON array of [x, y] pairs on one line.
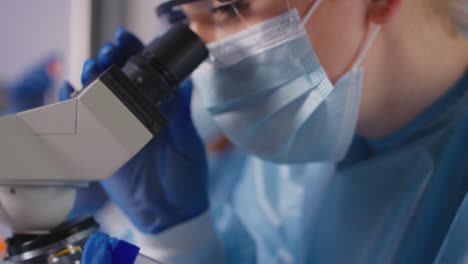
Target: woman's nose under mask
[[269, 94]]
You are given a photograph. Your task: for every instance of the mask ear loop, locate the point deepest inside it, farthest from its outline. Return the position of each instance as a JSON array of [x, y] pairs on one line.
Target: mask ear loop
[[366, 47], [311, 11], [238, 13]]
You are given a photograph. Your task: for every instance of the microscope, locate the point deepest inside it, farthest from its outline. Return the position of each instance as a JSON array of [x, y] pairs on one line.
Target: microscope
[[48, 152]]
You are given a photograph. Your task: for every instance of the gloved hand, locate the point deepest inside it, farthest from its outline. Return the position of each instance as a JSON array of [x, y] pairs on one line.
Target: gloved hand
[[166, 182], [98, 249], [102, 249], [30, 90]]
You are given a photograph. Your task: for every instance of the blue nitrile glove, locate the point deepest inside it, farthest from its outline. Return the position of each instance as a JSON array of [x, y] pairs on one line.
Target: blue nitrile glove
[[102, 249], [166, 182], [98, 249], [30, 90], [89, 200]]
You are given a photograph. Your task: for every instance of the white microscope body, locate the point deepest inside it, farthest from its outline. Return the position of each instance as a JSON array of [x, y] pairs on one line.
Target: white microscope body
[[47, 152]]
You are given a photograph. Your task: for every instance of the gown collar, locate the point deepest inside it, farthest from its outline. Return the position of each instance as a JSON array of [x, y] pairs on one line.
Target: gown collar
[[423, 121]]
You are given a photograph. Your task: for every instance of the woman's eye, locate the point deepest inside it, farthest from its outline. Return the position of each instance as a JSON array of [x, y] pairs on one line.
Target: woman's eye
[[224, 9], [230, 9]]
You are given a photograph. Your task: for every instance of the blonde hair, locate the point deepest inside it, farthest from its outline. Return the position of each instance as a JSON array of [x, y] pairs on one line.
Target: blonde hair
[[458, 13]]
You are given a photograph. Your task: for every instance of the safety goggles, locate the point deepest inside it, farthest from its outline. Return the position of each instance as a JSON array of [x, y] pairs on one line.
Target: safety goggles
[[219, 19]]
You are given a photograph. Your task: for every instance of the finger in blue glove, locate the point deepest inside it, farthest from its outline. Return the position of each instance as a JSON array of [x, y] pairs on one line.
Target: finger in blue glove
[[125, 46], [98, 249], [102, 249], [65, 91], [90, 71], [127, 43], [108, 55]]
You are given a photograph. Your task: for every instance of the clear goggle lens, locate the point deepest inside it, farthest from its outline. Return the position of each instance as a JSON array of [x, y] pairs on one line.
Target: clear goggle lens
[[215, 20]]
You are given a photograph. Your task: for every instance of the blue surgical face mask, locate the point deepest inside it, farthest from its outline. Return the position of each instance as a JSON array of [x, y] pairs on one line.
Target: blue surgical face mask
[[270, 96], [204, 122]]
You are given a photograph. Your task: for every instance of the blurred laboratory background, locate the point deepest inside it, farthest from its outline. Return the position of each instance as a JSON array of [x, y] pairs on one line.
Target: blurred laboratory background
[[69, 30]]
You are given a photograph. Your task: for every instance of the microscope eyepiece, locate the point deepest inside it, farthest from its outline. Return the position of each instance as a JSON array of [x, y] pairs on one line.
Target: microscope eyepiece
[[151, 77], [180, 51], [166, 62]]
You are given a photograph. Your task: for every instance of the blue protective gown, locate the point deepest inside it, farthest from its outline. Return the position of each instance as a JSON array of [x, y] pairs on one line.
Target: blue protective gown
[[393, 200]]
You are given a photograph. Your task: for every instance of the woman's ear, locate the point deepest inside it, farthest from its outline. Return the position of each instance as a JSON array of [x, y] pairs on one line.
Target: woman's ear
[[382, 11]]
